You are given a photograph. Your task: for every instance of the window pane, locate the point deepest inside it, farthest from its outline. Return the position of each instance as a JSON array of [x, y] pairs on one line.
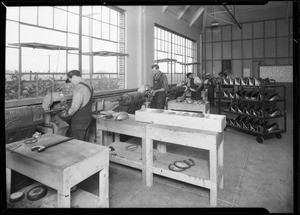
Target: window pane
[[100, 45], [12, 13], [113, 17], [34, 34], [73, 23], [46, 17], [105, 14], [85, 26], [105, 64], [60, 19], [113, 33], [29, 15], [11, 60], [73, 62], [73, 40], [85, 65], [12, 35], [105, 31], [85, 44], [87, 11], [97, 12], [96, 29]]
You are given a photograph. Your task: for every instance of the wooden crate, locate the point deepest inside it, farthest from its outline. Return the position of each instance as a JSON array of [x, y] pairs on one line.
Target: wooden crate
[[211, 122]]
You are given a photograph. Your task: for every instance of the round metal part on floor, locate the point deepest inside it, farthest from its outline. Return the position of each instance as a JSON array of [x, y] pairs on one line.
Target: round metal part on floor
[[17, 196], [37, 193]]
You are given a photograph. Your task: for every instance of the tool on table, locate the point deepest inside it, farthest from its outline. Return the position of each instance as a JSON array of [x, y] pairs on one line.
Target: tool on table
[[43, 148]]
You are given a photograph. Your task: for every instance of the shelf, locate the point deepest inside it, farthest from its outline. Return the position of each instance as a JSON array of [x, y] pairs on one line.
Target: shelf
[[197, 175], [252, 101], [247, 86], [105, 54], [257, 133], [259, 117], [43, 46], [79, 198]]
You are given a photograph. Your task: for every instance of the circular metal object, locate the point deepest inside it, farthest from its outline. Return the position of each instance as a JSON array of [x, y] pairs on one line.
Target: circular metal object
[[37, 193], [182, 164], [17, 196], [172, 167], [31, 140]]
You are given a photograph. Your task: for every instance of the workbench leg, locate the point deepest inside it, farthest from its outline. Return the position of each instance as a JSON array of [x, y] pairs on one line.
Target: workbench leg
[[161, 147], [104, 187], [117, 137], [8, 183], [107, 138], [64, 198], [147, 160], [213, 176], [100, 138], [220, 162]]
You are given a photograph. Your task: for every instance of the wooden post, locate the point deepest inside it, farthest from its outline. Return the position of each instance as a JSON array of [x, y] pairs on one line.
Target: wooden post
[[64, 197], [220, 161], [117, 137], [8, 183], [147, 160], [213, 176], [99, 139], [104, 183], [161, 147]]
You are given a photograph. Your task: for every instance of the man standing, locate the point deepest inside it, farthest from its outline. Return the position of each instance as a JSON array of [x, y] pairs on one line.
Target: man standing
[[160, 88], [80, 110], [195, 85]]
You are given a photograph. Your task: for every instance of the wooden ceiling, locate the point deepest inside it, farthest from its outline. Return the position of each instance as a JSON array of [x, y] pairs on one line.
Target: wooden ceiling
[[201, 16]]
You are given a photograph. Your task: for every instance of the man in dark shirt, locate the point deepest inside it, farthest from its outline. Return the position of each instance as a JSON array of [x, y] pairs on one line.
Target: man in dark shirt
[[160, 88], [194, 88], [80, 110]]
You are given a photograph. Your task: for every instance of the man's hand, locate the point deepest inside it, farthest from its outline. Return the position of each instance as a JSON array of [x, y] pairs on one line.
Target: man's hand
[[64, 115]]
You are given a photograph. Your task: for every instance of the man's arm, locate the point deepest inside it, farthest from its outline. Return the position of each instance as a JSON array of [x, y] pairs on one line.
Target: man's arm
[[76, 101]]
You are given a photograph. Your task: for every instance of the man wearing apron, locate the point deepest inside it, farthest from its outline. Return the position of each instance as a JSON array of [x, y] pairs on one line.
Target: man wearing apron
[[81, 107], [160, 88]]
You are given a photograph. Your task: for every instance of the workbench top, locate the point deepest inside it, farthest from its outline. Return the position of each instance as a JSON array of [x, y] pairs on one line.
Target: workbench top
[[59, 156]]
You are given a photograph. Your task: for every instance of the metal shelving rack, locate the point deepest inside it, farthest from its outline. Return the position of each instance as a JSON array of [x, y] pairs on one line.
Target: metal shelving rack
[[260, 135]]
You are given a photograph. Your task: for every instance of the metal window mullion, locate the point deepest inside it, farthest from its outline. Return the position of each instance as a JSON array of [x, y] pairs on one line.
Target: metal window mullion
[[91, 49], [20, 57], [80, 40]]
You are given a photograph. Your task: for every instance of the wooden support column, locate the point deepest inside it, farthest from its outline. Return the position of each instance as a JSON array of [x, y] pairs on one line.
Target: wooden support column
[[64, 197], [147, 153], [213, 161], [8, 183], [104, 183], [221, 161]]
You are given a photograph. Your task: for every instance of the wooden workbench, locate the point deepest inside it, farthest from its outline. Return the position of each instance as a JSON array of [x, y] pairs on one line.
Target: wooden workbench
[[61, 167], [184, 106], [206, 173]]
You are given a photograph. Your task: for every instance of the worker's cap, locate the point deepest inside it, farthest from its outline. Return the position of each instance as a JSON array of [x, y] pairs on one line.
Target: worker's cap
[[155, 65], [72, 73]]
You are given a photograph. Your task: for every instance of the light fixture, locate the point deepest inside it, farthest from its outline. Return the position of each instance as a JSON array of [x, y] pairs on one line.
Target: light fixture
[[214, 22]]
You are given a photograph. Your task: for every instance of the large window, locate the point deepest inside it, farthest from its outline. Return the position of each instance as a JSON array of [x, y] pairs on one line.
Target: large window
[[43, 43], [174, 53]]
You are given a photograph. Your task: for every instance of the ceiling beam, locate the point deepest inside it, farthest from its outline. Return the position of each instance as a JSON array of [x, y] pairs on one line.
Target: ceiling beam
[[204, 19], [180, 15], [221, 19], [197, 15], [232, 16], [164, 8]]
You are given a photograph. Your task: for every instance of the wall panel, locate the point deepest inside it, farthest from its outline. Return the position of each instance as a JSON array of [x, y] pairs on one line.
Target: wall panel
[[217, 67], [247, 64], [282, 47], [216, 34], [216, 51], [236, 33], [258, 29], [247, 48], [226, 50], [237, 68], [236, 50], [226, 32], [208, 67], [270, 28], [282, 27], [258, 48], [270, 47], [247, 31], [208, 50]]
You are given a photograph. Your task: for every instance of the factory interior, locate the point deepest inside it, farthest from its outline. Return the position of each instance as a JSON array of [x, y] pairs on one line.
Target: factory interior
[[151, 106]]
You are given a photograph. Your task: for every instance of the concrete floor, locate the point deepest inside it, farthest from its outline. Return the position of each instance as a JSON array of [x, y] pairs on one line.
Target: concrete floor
[[256, 175]]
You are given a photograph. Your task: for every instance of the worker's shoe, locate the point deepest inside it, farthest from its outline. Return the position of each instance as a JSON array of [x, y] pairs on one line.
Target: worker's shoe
[[251, 82], [237, 81], [225, 94], [231, 95], [274, 97], [233, 109], [244, 82], [273, 127], [226, 81], [274, 113], [240, 110], [231, 81]]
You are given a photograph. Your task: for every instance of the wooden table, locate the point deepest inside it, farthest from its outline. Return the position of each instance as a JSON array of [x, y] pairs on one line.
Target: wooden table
[[184, 106], [61, 166], [206, 173]]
